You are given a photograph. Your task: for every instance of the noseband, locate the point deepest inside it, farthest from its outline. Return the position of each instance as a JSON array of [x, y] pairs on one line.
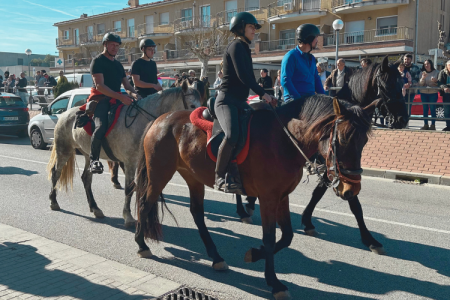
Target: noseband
[[334, 173]]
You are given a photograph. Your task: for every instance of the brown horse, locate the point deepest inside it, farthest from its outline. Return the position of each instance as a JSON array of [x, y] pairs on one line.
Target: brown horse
[[271, 171]]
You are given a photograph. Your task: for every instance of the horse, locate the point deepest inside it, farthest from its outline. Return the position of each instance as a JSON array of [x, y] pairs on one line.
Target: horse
[[367, 84], [123, 142], [201, 88], [271, 171]]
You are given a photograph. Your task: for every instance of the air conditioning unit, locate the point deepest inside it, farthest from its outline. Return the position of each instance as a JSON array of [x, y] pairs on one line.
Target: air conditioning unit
[[288, 6], [184, 24]]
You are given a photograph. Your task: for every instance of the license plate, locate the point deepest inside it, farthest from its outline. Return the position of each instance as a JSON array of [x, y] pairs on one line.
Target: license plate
[[10, 118]]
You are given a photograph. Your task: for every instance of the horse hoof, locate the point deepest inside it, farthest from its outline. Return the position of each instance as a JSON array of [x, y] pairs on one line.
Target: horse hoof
[[145, 254], [247, 220], [284, 295], [55, 207], [220, 266], [311, 232], [377, 250], [248, 256], [117, 186], [250, 211], [130, 224], [98, 213]]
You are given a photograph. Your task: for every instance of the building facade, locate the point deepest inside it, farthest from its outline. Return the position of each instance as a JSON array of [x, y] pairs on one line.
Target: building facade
[[372, 28]]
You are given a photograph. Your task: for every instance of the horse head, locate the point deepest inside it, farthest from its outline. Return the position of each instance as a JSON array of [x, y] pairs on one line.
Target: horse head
[[389, 84], [191, 96], [342, 145]]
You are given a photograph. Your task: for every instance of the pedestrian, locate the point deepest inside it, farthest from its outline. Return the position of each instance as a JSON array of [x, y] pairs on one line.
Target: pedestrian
[[414, 71], [218, 81], [278, 88], [177, 78], [338, 77], [192, 74], [6, 74], [266, 82], [62, 79], [205, 81], [40, 83], [144, 70], [299, 76], [429, 78], [365, 62], [21, 85], [323, 74], [444, 83], [183, 75], [406, 77]]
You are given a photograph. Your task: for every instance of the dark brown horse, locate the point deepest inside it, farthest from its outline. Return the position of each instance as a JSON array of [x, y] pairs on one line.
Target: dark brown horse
[[272, 170]]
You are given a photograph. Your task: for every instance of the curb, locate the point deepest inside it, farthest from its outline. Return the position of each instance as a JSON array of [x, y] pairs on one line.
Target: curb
[[394, 174]]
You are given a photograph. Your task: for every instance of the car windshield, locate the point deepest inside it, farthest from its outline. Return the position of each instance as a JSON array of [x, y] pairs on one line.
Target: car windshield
[[6, 101]]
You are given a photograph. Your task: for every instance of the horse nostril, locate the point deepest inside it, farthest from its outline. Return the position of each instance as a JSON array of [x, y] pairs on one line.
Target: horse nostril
[[348, 195]]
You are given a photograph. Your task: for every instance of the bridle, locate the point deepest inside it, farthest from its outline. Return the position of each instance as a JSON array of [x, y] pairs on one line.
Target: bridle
[[334, 172]]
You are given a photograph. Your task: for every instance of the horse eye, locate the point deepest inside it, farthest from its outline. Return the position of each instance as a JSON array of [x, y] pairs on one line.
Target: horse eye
[[192, 106]]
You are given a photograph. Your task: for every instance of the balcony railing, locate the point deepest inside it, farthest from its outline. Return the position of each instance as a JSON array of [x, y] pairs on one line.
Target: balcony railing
[[370, 36], [179, 54], [187, 23], [224, 17], [64, 42], [154, 29], [338, 3], [158, 56], [285, 44], [283, 7]]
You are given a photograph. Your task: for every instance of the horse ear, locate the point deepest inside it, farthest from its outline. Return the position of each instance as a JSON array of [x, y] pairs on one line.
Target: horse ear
[[184, 86], [385, 65], [370, 109], [339, 109]]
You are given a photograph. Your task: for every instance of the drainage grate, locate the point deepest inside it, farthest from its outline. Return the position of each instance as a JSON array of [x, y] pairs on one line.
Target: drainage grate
[[185, 293]]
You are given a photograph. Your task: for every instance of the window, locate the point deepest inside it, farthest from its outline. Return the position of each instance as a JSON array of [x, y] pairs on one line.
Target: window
[[287, 37], [164, 18], [66, 34], [130, 27], [90, 33], [117, 26], [205, 16], [59, 106], [186, 14], [79, 100], [69, 57], [231, 9], [251, 5], [100, 28], [20, 61], [387, 26]]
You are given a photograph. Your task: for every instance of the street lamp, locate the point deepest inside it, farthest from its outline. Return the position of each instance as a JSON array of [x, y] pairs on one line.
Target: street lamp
[[28, 53], [337, 25]]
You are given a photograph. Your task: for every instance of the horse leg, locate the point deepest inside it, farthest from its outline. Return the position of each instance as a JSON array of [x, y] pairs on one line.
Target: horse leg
[[62, 167], [367, 239], [86, 177], [114, 168], [129, 178], [269, 216], [250, 206], [317, 195], [245, 217], [197, 196]]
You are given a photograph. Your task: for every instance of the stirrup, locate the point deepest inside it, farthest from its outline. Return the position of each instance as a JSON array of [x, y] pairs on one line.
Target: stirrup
[[96, 167]]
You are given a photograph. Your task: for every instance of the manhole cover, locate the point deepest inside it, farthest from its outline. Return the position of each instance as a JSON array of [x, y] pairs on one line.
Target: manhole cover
[[185, 293]]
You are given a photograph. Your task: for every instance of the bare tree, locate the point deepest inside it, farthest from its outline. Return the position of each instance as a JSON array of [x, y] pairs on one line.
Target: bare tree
[[205, 40]]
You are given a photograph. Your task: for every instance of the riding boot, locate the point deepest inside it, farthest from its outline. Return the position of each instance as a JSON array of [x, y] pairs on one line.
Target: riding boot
[[233, 183], [223, 158], [96, 166]]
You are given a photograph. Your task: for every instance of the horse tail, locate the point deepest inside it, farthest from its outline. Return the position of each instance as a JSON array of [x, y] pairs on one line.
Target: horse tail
[[67, 172]]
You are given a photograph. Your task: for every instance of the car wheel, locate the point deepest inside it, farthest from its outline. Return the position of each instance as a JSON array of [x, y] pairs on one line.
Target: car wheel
[[22, 133], [36, 139], [440, 112]]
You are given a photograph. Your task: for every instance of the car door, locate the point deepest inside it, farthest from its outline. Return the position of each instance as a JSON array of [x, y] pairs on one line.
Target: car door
[[55, 110]]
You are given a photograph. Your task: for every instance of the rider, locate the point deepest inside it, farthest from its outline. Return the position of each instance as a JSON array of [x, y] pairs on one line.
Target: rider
[[108, 75], [238, 78], [144, 71], [299, 76]]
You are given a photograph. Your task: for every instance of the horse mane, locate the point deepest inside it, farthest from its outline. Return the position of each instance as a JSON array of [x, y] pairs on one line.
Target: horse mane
[[361, 84]]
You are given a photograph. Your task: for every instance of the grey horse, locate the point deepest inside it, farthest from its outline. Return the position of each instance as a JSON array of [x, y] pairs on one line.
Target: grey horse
[[123, 140]]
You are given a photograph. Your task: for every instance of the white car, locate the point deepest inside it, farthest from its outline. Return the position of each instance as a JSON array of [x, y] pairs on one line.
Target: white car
[[41, 127]]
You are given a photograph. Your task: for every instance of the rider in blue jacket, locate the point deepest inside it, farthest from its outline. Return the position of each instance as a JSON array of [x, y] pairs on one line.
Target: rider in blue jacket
[[299, 76]]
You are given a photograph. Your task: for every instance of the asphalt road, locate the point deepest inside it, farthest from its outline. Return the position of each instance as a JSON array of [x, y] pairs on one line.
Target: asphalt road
[[411, 221]]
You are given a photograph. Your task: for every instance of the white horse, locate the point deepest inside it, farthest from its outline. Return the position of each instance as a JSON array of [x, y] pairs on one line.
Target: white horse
[[123, 140]]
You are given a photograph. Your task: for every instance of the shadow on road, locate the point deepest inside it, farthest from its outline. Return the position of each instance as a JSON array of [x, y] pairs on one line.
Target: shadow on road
[[118, 223], [14, 140], [335, 273], [16, 171], [35, 279]]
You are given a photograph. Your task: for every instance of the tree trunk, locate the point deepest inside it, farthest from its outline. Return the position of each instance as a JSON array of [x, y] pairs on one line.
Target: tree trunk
[[204, 68]]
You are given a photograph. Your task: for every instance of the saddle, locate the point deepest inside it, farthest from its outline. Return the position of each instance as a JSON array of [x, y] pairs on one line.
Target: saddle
[[205, 119]]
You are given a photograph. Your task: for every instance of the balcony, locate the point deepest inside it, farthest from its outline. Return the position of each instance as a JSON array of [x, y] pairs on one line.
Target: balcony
[[224, 17], [179, 54], [284, 11], [278, 45], [353, 6], [155, 30], [158, 56], [370, 36], [189, 25], [66, 44]]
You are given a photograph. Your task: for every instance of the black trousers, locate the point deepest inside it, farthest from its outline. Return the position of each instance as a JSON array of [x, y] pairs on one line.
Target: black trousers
[[227, 113], [101, 127]]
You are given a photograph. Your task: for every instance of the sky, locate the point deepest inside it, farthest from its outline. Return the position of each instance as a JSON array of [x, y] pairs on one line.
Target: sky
[[29, 24]]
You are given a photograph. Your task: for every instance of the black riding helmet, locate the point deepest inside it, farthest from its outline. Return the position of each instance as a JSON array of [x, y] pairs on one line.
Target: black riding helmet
[[241, 19], [306, 33], [146, 43], [111, 37]]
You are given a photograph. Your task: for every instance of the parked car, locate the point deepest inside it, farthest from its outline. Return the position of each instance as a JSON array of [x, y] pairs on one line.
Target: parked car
[[418, 109], [84, 80], [42, 126], [167, 82], [14, 116]]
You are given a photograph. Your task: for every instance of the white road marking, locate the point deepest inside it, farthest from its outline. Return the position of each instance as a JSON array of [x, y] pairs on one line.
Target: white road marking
[[292, 204]]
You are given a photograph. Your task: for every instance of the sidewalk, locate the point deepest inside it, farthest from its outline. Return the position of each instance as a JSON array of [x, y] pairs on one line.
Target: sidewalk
[[33, 267]]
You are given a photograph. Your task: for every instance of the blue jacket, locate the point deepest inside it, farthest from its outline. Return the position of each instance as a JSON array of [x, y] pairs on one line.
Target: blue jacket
[[299, 76]]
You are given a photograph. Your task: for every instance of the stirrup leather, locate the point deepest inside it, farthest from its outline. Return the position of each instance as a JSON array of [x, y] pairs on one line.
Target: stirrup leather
[[96, 167]]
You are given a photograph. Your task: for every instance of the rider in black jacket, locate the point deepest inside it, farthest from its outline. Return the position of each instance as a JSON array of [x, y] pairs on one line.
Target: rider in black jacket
[[238, 79]]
